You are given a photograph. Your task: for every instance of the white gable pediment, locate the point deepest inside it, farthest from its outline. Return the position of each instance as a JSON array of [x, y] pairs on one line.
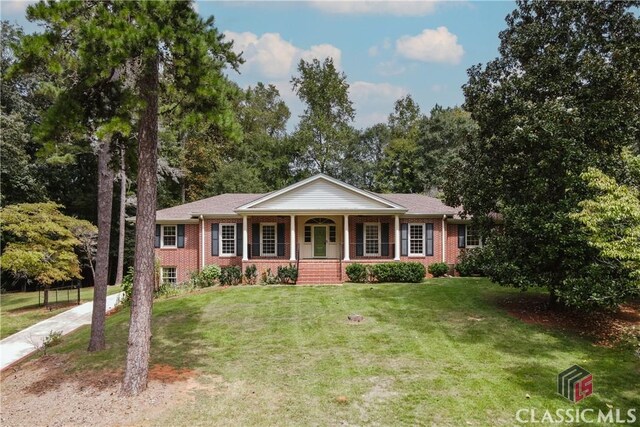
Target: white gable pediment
[[320, 193]]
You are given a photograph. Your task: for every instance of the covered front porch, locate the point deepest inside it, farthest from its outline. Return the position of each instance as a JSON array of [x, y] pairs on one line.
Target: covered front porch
[[321, 236]]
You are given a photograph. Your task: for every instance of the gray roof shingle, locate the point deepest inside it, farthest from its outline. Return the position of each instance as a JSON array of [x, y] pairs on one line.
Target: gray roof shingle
[[225, 204]]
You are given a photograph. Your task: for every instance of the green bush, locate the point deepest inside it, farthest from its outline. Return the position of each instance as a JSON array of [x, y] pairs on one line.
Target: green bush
[[287, 275], [251, 274], [438, 269], [470, 262], [230, 275], [268, 278], [404, 272], [205, 278], [358, 273]]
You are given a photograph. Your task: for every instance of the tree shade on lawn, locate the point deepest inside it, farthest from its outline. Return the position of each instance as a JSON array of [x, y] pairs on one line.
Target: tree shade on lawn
[[441, 353]]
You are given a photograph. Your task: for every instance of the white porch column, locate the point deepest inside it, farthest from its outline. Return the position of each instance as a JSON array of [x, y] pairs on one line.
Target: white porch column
[[396, 236], [292, 238], [245, 238], [346, 238]]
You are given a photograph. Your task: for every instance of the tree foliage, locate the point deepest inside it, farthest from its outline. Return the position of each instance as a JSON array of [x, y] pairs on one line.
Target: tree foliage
[[40, 242], [611, 219], [562, 97], [324, 128]]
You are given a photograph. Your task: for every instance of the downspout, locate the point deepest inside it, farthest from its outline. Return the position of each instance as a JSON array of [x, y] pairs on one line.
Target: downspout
[[444, 240], [201, 242]]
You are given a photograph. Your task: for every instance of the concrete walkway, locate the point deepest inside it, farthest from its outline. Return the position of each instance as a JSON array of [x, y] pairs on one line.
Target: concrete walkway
[[25, 342]]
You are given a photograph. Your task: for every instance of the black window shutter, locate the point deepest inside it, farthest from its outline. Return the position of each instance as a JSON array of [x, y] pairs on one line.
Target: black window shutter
[[384, 238], [180, 235], [239, 240], [359, 239], [215, 228], [157, 244], [255, 239], [462, 230], [429, 239], [404, 239], [280, 239]]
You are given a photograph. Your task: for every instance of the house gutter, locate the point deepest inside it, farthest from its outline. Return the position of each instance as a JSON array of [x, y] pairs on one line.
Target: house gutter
[[444, 239], [201, 242]]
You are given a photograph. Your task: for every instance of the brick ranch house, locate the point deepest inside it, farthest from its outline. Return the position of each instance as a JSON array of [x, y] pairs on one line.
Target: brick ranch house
[[320, 224]]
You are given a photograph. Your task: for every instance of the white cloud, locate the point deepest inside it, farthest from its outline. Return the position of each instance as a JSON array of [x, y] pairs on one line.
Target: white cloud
[[270, 56], [16, 7], [377, 7], [321, 52], [373, 101], [373, 51], [390, 68], [437, 45]]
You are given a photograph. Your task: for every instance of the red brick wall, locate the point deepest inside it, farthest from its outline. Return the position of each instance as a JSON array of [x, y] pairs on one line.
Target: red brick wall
[[187, 259], [437, 241], [353, 220], [286, 220], [453, 252], [184, 259]]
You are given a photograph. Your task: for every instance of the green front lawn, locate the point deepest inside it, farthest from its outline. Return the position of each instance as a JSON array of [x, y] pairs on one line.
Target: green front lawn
[[19, 310], [439, 353]]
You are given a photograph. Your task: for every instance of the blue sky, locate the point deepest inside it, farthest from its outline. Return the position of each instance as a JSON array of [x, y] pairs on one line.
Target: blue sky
[[386, 49]]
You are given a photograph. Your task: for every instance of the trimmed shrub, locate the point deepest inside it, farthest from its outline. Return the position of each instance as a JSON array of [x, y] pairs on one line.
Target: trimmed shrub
[[251, 274], [357, 272], [205, 278], [287, 275], [230, 275], [470, 262], [438, 269], [404, 272], [267, 278]]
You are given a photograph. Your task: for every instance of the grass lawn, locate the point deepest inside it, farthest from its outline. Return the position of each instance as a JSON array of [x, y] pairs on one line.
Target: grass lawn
[[19, 310], [440, 353]]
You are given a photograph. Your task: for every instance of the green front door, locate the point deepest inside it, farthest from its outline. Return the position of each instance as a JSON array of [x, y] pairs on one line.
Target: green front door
[[320, 241]]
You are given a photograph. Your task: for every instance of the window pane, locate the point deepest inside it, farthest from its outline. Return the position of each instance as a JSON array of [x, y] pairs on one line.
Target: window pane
[[228, 239], [307, 234], [169, 235], [169, 275], [473, 236], [268, 239], [416, 239], [332, 233], [371, 244]]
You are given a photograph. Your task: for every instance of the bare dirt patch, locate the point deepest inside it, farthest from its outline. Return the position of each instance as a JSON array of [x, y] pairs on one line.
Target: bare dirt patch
[[604, 328], [40, 392]]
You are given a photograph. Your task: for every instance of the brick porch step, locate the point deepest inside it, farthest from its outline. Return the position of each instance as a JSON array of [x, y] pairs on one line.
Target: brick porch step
[[319, 272]]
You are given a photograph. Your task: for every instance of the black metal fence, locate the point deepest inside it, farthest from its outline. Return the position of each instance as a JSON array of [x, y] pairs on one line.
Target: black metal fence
[[50, 296]]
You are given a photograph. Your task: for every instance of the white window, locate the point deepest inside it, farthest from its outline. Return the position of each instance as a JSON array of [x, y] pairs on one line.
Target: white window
[[227, 239], [372, 239], [416, 239], [268, 239], [473, 237], [169, 275], [169, 236]]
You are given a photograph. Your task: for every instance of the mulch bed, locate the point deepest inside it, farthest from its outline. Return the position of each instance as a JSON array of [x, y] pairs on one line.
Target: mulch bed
[[603, 327]]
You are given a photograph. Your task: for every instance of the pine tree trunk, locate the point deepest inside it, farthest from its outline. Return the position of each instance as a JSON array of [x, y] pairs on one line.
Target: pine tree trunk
[[105, 201], [139, 343], [123, 197]]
